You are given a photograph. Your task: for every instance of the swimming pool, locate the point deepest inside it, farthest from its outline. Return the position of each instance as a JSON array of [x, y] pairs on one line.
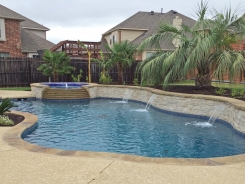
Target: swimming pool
[[101, 126]]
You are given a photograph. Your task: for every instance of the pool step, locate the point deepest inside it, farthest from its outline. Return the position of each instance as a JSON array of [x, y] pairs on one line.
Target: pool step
[[65, 94]]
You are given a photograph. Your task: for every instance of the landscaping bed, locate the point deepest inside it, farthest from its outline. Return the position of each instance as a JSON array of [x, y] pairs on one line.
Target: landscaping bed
[[15, 118], [216, 91]]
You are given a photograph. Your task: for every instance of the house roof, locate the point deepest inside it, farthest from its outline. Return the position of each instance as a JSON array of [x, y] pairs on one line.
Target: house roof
[[31, 42], [25, 22], [150, 22]]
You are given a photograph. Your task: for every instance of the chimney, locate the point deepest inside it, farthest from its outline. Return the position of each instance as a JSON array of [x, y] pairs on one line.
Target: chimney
[[177, 22], [161, 10], [152, 12]]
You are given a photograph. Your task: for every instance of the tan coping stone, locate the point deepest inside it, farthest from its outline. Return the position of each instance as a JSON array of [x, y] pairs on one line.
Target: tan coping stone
[[13, 138], [134, 158], [185, 161], [229, 159], [98, 154]]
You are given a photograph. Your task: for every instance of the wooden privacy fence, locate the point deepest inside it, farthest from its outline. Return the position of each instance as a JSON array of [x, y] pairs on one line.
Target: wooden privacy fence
[[17, 72]]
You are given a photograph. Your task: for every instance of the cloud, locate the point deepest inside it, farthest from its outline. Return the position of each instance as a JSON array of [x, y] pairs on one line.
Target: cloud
[[88, 19], [59, 33]]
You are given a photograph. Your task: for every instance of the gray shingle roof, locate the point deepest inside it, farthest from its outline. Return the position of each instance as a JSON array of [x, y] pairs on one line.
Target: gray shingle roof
[[32, 43], [10, 14], [145, 20]]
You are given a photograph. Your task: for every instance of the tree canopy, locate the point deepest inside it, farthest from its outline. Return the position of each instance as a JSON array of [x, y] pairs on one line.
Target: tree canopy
[[121, 54], [205, 47], [56, 63]]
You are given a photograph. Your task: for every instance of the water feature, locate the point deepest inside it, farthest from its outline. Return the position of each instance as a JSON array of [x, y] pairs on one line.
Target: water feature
[[66, 85], [126, 96], [220, 108], [148, 105], [96, 126]]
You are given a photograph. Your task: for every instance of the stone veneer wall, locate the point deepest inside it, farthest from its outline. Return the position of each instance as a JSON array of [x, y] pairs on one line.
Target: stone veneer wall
[[202, 105]]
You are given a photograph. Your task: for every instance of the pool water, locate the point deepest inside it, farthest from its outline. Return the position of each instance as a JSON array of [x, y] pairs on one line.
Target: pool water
[[65, 85], [101, 126]]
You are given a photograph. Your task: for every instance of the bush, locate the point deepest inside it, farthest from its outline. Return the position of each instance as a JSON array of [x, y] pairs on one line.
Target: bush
[[4, 120], [237, 93], [220, 91], [136, 82], [77, 78], [105, 78], [5, 106]]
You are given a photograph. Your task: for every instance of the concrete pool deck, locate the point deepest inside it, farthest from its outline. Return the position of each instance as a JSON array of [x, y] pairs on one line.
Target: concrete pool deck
[[19, 165]]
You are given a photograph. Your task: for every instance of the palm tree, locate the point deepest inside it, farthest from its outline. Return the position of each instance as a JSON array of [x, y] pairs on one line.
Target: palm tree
[[56, 63], [122, 55], [105, 65], [205, 46]]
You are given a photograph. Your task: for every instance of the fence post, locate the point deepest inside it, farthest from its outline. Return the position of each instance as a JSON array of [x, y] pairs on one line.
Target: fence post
[[29, 68]]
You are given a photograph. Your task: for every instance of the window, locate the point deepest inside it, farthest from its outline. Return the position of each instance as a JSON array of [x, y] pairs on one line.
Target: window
[[2, 30], [4, 54], [114, 39], [149, 54], [110, 40]]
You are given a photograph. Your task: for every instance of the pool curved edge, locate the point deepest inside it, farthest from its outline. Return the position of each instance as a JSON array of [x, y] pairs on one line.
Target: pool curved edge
[[13, 138]]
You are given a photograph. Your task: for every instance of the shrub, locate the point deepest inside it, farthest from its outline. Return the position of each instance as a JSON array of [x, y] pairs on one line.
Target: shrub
[[220, 91], [5, 106], [77, 78], [4, 120], [237, 93], [105, 78], [136, 82]]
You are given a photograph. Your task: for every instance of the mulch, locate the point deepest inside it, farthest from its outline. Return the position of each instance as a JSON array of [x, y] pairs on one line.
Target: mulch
[[15, 118]]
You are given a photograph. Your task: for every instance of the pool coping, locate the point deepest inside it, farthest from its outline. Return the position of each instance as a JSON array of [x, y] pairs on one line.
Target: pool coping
[[13, 138]]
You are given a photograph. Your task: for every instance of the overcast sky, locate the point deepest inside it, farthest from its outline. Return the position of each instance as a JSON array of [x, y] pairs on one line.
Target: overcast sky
[[87, 20]]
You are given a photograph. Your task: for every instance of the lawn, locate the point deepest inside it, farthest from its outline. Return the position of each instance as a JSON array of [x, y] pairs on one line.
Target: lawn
[[216, 84], [17, 88]]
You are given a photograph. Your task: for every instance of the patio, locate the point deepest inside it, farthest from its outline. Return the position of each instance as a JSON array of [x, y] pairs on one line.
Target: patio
[[23, 166]]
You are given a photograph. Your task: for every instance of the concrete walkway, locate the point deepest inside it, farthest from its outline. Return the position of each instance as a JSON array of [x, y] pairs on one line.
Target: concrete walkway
[[16, 94], [19, 166]]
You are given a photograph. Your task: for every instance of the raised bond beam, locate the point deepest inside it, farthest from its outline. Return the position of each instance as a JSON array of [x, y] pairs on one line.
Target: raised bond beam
[[65, 94]]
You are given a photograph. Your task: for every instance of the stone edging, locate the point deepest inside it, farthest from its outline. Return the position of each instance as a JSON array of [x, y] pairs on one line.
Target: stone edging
[[13, 138]]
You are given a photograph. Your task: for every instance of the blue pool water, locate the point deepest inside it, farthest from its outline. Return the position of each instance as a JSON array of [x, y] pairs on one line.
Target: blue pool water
[[65, 85], [101, 126]]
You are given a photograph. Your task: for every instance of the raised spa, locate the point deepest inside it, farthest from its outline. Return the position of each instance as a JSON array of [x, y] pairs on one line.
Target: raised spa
[[64, 85], [103, 125]]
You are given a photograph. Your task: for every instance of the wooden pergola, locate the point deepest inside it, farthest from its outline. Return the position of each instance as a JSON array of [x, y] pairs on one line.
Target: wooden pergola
[[73, 49]]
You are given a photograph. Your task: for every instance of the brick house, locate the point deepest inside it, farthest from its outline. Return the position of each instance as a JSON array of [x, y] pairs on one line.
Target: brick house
[[20, 36]]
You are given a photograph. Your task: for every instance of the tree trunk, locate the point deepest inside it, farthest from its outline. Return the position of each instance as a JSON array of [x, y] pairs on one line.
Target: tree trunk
[[203, 80], [55, 77], [120, 73]]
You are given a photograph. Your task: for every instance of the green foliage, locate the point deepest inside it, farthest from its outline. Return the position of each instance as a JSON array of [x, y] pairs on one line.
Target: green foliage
[[237, 93], [77, 78], [56, 63], [144, 83], [104, 63], [122, 55], [86, 78], [105, 78], [205, 45], [220, 91], [5, 121], [5, 105], [136, 82]]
